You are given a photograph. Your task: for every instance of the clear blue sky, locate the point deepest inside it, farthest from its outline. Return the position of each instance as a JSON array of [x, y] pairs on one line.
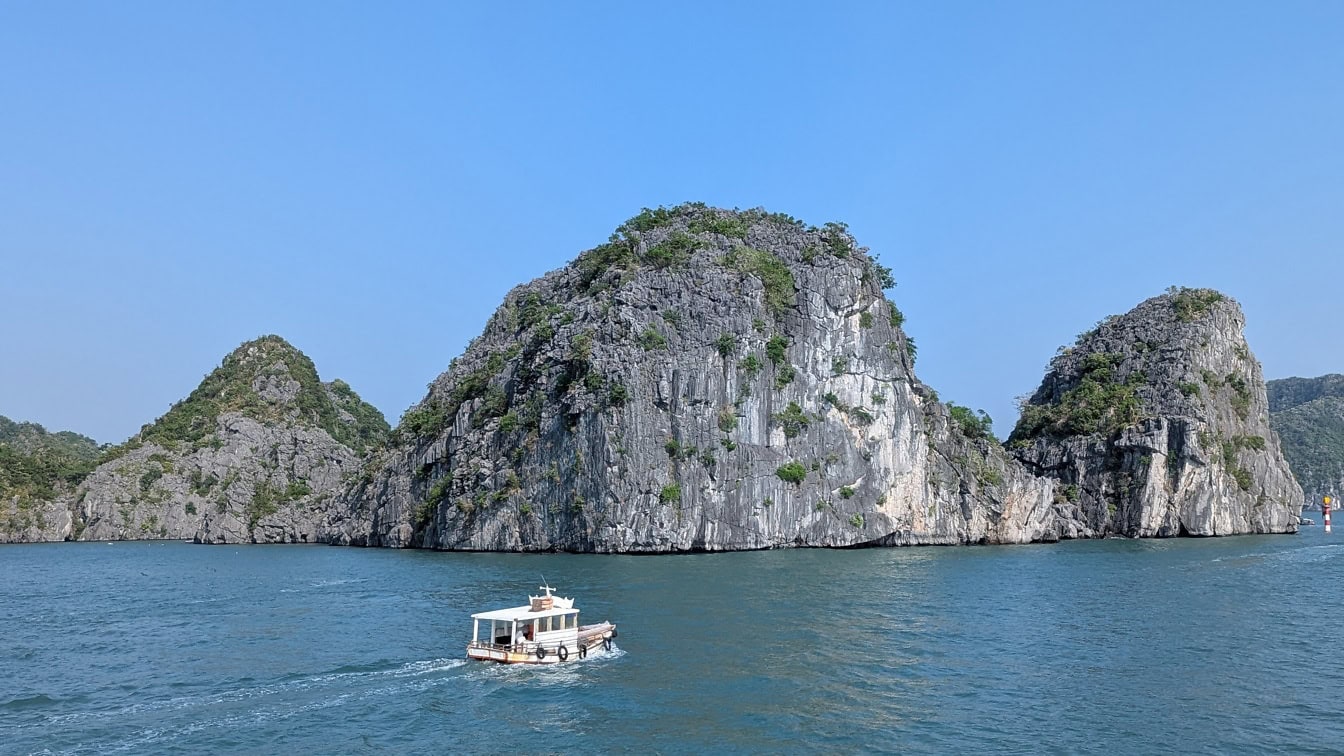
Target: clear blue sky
[[369, 179]]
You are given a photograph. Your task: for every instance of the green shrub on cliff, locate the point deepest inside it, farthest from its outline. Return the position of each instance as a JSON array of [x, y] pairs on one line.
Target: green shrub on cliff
[[895, 316], [837, 239], [617, 254], [1190, 304], [860, 415], [651, 339], [674, 250], [725, 225], [429, 419], [620, 251], [750, 365], [727, 419], [265, 502], [972, 425], [649, 219], [792, 420], [791, 472], [1098, 404], [1241, 396], [774, 275]]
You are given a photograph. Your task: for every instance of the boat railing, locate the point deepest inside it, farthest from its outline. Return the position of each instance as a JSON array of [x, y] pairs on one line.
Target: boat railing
[[526, 647], [487, 645]]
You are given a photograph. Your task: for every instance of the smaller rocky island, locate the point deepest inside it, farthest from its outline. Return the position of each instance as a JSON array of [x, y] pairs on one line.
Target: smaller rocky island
[[257, 453], [1157, 424]]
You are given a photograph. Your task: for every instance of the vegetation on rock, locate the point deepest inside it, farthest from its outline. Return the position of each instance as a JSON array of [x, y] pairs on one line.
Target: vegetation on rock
[[972, 425], [792, 472], [792, 420], [269, 364], [775, 276], [1099, 403], [36, 464], [1308, 415], [1191, 304]]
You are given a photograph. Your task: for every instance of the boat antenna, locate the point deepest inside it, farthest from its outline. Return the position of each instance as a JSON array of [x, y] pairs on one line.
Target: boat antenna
[[545, 586]]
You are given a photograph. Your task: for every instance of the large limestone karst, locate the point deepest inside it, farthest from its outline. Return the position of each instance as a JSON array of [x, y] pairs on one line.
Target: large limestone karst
[[1157, 424], [257, 453], [1308, 415], [706, 380], [38, 474]]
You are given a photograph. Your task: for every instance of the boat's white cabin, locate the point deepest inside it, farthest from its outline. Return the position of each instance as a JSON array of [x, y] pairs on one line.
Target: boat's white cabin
[[524, 626]]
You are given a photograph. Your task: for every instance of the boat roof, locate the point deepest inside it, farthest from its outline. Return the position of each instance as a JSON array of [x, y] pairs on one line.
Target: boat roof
[[522, 613]]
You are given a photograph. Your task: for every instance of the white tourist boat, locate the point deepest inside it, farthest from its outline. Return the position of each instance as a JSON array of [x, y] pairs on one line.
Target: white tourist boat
[[545, 631]]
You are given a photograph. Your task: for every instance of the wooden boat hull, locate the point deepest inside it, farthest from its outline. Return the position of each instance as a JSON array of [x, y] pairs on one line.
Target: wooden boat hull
[[591, 638]]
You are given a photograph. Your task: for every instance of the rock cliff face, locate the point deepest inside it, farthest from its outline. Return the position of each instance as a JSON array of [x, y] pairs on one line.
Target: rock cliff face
[[257, 453], [38, 475], [707, 380], [1156, 423], [1308, 415]]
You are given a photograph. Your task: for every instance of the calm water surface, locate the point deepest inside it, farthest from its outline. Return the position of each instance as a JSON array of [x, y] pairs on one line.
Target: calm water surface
[[1214, 646]]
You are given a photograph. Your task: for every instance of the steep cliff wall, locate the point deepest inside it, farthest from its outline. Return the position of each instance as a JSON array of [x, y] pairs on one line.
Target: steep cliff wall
[[257, 453], [1156, 423], [706, 380]]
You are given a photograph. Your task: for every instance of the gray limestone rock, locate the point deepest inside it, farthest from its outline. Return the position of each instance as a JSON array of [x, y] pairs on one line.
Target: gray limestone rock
[[1156, 423], [708, 380], [257, 454], [24, 520], [248, 483]]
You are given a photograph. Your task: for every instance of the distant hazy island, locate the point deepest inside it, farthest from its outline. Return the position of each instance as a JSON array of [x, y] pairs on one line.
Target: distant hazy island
[[706, 380]]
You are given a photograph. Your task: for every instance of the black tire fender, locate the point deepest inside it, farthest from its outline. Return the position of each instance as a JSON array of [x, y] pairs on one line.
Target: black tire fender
[[541, 652], [606, 644], [562, 652], [583, 651]]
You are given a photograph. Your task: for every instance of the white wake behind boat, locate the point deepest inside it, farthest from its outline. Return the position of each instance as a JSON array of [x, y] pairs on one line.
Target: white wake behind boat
[[545, 631]]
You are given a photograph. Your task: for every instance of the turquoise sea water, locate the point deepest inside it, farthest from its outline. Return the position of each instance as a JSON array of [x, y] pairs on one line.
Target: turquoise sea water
[[1212, 646]]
